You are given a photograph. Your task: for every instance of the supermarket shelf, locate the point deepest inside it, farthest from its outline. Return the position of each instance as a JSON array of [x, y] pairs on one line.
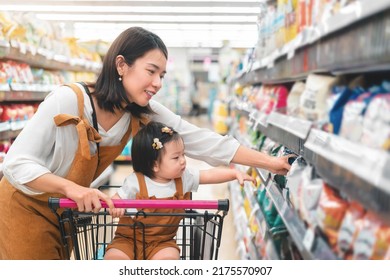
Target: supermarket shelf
[[10, 134], [266, 237], [354, 41], [263, 174], [243, 107], [24, 92], [240, 219], [351, 14], [286, 130], [243, 139], [9, 130], [326, 48], [357, 170], [258, 215], [308, 243], [289, 131], [255, 218], [255, 117], [43, 58]]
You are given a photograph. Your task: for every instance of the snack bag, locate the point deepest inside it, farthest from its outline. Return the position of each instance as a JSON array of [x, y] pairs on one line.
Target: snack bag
[[372, 242], [376, 123], [309, 194], [294, 97], [352, 122], [313, 99], [349, 229], [293, 179], [330, 213]]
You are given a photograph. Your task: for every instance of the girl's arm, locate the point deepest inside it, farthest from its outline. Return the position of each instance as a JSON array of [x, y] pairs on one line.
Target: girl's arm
[[220, 175], [206, 145], [250, 157]]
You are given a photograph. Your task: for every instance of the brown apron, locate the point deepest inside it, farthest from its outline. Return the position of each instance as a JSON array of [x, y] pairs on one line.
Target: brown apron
[[28, 228], [151, 233]]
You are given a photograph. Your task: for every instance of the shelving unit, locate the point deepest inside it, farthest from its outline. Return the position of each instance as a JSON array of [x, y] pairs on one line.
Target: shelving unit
[[310, 245], [256, 218], [327, 48], [354, 41], [44, 58], [15, 93], [359, 171]]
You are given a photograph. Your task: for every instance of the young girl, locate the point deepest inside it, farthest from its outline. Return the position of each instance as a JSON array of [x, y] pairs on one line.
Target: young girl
[[159, 172]]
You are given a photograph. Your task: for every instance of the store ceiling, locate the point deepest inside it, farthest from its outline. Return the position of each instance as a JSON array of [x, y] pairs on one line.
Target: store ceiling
[[181, 23]]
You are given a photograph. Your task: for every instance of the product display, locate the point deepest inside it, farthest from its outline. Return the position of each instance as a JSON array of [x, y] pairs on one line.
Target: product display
[[34, 59], [315, 86], [333, 118]]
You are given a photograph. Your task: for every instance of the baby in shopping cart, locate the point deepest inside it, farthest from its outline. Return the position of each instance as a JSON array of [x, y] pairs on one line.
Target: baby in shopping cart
[[160, 172]]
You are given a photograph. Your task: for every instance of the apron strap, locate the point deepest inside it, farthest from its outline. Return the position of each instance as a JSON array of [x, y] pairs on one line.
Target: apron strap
[[94, 117], [80, 99], [135, 124], [179, 187], [143, 191], [84, 130]]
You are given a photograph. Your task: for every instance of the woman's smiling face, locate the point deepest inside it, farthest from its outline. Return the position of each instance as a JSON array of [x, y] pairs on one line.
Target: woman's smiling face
[[143, 79]]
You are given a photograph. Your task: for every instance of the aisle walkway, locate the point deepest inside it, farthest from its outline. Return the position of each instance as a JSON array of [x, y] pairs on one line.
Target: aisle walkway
[[228, 243]]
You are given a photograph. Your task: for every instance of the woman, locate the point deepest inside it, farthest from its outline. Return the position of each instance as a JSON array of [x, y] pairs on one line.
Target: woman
[[78, 131]]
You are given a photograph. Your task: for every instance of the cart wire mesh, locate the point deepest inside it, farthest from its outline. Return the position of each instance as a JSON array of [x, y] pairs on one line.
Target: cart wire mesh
[[85, 236]]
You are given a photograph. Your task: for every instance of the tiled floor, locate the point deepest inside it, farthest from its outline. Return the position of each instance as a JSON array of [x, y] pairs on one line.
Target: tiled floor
[[228, 242]]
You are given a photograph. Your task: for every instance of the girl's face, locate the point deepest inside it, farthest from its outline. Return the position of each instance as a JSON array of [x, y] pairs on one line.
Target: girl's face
[[172, 163], [143, 79]]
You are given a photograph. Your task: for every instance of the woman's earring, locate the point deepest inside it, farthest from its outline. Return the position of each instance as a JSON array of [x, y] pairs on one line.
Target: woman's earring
[[120, 78]]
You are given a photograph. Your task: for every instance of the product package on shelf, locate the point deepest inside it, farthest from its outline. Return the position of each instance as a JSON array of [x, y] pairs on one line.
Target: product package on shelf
[[313, 101], [313, 55], [330, 213], [376, 123], [373, 239], [369, 126], [293, 179], [293, 98], [350, 226]]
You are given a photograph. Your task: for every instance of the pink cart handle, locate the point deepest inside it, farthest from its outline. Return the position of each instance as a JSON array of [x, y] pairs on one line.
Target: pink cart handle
[[220, 204]]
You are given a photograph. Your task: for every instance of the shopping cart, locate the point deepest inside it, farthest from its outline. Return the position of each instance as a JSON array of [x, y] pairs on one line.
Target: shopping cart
[[85, 236]]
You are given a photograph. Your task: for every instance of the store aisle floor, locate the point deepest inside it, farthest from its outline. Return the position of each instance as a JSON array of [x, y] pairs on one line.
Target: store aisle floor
[[228, 249]]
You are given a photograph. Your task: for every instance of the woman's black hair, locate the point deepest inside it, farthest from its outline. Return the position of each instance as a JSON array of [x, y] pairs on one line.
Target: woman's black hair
[[132, 44], [143, 154]]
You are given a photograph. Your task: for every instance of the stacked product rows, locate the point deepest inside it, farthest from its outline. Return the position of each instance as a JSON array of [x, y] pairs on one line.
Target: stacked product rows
[[325, 100]]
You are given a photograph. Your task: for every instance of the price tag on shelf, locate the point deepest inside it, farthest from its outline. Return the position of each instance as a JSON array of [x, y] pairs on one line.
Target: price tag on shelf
[[4, 126], [290, 53], [308, 239], [32, 49], [17, 125], [22, 48], [14, 43], [253, 115], [4, 87]]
